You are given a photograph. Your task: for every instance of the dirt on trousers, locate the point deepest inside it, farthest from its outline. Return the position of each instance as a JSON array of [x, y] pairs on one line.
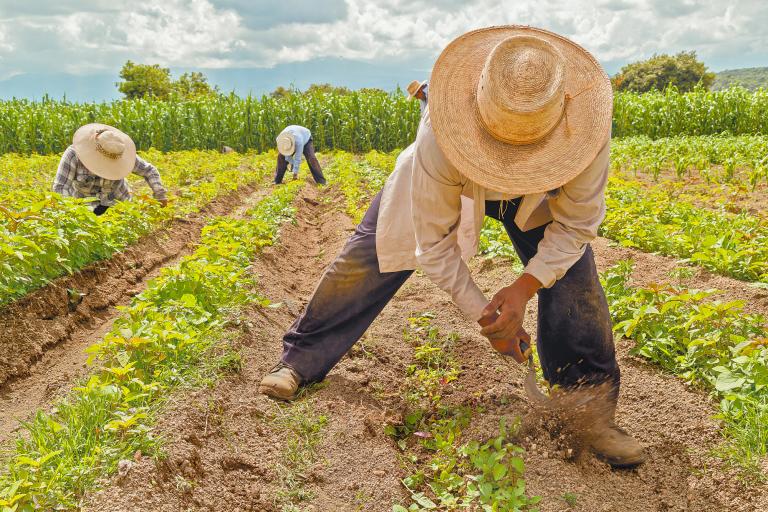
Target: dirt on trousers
[[225, 446], [44, 334]]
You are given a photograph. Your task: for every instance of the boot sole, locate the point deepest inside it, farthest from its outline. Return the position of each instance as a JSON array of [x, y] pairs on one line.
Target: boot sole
[[274, 393], [621, 463]]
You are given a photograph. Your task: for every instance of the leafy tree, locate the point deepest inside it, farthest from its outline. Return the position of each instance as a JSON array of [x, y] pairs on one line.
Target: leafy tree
[[153, 81], [145, 80], [280, 92], [327, 88], [194, 85], [371, 90], [750, 78], [683, 70]]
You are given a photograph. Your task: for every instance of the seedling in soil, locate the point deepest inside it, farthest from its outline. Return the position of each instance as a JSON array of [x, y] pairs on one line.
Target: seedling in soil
[[570, 499], [446, 473], [302, 427]]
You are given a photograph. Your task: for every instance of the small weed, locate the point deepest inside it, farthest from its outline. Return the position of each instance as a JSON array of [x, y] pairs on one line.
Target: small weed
[[471, 475], [680, 274], [570, 499], [303, 431]]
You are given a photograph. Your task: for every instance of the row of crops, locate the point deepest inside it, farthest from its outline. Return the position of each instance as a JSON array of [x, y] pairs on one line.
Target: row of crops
[[171, 335], [357, 121], [714, 158], [44, 235]]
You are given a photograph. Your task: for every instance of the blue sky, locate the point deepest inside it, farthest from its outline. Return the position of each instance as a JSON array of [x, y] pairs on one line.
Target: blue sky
[[77, 47]]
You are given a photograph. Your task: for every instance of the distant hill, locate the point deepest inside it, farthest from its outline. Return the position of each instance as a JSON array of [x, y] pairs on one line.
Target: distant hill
[[751, 78]]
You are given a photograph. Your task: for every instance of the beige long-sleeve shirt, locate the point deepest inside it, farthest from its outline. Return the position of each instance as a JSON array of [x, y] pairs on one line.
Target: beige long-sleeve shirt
[[430, 218]]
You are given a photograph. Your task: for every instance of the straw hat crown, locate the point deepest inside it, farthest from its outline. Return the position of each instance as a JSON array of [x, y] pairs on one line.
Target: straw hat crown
[[109, 144], [286, 144], [105, 151], [519, 110], [521, 91]]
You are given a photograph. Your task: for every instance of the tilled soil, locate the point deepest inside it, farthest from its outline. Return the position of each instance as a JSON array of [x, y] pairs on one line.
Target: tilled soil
[[44, 334], [226, 447]]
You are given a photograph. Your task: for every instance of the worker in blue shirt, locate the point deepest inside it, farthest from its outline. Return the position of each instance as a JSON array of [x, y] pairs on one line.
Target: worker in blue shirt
[[293, 142]]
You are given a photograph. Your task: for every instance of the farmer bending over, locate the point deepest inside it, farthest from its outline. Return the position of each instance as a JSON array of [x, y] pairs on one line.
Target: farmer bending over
[[96, 165], [518, 129], [293, 142]]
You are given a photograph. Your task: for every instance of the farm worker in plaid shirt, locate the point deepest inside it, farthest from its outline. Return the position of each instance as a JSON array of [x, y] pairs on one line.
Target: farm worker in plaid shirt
[[293, 142], [96, 165], [517, 127]]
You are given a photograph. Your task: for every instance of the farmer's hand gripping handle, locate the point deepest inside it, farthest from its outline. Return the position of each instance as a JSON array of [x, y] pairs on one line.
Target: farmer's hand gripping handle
[[518, 347]]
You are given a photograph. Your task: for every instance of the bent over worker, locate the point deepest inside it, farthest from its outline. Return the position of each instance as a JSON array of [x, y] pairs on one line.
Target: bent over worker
[[96, 165], [521, 134], [293, 142]]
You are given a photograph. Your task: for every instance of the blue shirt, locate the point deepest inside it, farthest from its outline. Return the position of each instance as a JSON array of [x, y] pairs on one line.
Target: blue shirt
[[301, 136]]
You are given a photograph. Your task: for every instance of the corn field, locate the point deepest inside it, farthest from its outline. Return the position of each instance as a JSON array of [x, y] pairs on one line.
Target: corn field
[[735, 111], [359, 122]]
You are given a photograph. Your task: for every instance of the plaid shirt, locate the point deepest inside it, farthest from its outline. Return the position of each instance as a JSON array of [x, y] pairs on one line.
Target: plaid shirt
[[75, 180]]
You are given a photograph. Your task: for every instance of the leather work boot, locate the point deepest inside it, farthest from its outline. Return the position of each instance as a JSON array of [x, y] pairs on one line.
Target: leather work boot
[[616, 447], [281, 382]]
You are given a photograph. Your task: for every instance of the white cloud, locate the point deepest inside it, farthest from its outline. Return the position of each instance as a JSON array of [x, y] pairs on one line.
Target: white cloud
[[86, 36], [183, 33], [615, 31]]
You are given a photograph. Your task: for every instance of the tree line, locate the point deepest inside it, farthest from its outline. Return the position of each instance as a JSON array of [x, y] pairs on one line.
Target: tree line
[[683, 70]]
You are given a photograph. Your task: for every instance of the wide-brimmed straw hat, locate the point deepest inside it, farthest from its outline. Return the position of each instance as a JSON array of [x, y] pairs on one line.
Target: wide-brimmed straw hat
[[415, 87], [105, 151], [286, 144], [518, 109]]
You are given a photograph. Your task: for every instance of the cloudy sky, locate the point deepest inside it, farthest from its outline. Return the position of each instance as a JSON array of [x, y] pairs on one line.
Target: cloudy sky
[[50, 45]]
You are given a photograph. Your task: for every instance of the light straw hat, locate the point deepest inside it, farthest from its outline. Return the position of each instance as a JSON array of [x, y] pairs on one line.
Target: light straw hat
[[286, 144], [415, 87], [105, 151], [518, 109]]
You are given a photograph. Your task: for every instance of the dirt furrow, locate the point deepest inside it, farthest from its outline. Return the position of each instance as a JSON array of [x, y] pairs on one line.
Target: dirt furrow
[[227, 446], [44, 335], [223, 453]]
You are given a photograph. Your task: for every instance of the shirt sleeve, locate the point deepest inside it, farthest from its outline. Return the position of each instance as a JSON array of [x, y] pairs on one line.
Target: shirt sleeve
[[65, 174], [152, 176], [577, 211], [436, 205], [296, 160]]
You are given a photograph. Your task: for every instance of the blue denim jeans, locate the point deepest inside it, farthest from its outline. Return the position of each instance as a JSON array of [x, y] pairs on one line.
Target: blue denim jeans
[[574, 331]]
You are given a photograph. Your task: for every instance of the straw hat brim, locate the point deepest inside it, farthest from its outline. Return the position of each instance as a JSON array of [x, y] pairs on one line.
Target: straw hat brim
[[99, 164], [518, 169]]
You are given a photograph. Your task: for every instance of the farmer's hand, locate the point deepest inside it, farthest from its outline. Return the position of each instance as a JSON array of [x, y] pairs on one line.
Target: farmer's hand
[[512, 346], [503, 317]]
